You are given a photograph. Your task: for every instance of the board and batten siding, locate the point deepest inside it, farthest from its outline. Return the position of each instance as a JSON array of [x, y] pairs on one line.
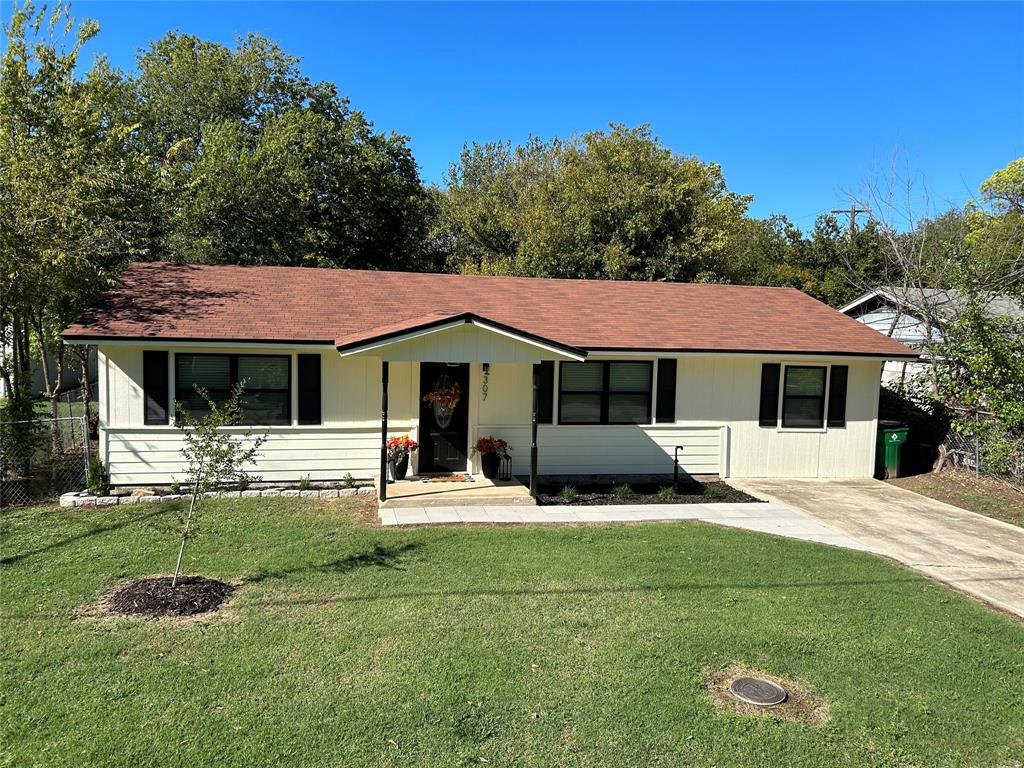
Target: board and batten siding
[[717, 402], [348, 440]]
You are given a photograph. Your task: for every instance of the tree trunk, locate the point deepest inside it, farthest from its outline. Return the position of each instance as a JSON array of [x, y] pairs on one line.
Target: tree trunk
[[86, 391]]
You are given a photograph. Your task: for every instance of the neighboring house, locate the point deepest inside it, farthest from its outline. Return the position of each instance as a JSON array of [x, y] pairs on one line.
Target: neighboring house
[[750, 381], [916, 317], [71, 376]]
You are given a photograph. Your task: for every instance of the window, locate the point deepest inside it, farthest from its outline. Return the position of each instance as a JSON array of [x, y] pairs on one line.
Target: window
[[803, 397], [266, 378], [609, 392], [309, 389], [665, 408], [155, 385], [545, 376]]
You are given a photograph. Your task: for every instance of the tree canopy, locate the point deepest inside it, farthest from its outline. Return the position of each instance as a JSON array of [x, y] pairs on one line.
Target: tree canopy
[[612, 204]]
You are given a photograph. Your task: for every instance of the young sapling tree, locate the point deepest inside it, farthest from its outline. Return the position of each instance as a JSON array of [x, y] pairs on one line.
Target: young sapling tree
[[215, 457]]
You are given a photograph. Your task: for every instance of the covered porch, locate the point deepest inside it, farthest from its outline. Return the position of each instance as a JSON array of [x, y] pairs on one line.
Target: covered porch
[[455, 356]]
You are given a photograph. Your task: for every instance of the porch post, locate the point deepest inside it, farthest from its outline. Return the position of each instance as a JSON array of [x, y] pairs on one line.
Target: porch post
[[383, 430], [533, 437]]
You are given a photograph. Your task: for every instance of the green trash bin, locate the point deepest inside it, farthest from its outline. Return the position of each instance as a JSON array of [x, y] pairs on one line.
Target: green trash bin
[[891, 437]]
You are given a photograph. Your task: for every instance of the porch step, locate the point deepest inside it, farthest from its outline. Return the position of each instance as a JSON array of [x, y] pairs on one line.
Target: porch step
[[453, 500], [480, 492]]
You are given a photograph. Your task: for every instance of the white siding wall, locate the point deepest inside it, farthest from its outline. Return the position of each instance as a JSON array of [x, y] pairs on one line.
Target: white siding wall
[[717, 401], [348, 441]]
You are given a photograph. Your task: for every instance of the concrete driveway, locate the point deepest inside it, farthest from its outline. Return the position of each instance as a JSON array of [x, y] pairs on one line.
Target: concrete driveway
[[973, 553]]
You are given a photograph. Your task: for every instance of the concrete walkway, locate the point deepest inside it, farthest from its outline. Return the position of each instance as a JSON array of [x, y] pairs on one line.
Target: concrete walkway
[[778, 519], [973, 553]]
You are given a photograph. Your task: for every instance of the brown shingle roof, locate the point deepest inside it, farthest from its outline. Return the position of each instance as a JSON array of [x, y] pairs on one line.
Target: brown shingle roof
[[291, 304]]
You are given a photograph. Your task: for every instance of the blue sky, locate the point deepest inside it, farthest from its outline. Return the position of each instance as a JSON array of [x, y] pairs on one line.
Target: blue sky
[[799, 103]]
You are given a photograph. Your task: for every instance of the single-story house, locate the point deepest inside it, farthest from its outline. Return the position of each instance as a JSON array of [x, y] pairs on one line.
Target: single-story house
[[918, 317], [580, 377]]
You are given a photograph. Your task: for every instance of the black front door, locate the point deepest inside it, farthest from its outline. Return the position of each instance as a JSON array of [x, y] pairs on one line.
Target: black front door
[[444, 417]]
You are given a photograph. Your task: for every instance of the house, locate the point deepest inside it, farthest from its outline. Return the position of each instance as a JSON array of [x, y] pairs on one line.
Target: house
[[580, 377], [917, 317]]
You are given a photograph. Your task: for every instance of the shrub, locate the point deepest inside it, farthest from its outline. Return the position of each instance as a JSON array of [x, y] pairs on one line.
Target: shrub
[[348, 481], [622, 491], [97, 477], [304, 483], [713, 491], [175, 486], [667, 492], [243, 483], [568, 493]]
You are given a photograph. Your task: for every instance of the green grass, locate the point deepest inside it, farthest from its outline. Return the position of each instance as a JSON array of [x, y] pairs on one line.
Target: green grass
[[447, 646]]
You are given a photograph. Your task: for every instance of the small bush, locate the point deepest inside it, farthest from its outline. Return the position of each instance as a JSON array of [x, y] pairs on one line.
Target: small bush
[[348, 481], [243, 483], [176, 486], [622, 491], [568, 493], [713, 491], [667, 492], [304, 483], [98, 478]]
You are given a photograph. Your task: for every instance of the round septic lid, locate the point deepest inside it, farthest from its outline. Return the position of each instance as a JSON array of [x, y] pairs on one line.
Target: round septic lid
[[757, 690]]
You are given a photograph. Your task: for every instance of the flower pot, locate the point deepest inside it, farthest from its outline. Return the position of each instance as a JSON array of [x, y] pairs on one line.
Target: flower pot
[[489, 465], [401, 466]]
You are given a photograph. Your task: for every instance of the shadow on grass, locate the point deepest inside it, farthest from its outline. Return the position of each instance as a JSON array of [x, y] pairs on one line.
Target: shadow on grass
[[95, 530], [625, 590], [388, 558]]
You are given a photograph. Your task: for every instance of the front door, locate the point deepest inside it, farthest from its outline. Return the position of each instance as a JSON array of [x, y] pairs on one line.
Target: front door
[[444, 417]]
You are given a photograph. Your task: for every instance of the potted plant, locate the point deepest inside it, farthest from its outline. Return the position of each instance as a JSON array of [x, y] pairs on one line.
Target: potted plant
[[400, 448], [491, 449]]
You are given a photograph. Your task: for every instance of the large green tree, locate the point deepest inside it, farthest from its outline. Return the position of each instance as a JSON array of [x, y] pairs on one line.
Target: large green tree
[[256, 164], [608, 204], [72, 202]]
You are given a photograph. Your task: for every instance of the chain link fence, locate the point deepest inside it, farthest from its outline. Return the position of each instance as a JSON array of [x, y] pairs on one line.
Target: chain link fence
[[981, 446], [42, 458]]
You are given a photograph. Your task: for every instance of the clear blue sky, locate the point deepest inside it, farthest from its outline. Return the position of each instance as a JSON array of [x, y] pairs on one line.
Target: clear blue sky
[[800, 103]]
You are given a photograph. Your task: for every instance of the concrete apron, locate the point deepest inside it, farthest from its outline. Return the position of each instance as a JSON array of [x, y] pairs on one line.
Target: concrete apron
[[971, 553]]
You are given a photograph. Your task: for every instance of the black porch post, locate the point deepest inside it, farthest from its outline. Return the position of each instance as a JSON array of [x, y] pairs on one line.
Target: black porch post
[[383, 430], [533, 437]]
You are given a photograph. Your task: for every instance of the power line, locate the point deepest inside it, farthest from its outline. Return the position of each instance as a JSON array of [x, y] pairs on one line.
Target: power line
[[853, 211]]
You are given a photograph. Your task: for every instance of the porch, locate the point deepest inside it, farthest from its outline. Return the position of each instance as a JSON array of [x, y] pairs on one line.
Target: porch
[[480, 491], [454, 357]]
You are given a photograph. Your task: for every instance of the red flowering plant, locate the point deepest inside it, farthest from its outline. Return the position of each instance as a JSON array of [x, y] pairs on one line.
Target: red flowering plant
[[492, 444], [401, 446]]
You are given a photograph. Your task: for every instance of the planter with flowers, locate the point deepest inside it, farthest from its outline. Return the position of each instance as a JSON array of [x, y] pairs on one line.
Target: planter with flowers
[[400, 448], [492, 450]]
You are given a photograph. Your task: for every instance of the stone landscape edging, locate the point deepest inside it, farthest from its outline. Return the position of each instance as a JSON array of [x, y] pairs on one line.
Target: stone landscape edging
[[86, 499]]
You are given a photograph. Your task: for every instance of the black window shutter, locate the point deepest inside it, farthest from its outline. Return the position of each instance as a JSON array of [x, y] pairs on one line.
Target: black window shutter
[[155, 386], [309, 389], [545, 373], [837, 396], [769, 413], [665, 407]]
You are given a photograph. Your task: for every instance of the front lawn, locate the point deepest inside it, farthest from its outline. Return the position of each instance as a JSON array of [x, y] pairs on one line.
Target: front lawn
[[963, 488], [352, 645]]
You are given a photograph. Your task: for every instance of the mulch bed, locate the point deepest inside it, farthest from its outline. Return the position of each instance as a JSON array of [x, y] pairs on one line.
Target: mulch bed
[[154, 597], [593, 494]]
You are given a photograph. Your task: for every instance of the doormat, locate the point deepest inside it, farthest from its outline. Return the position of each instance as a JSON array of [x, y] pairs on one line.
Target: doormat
[[447, 479]]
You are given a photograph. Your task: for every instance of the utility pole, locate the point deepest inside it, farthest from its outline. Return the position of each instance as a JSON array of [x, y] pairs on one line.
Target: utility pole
[[854, 210]]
